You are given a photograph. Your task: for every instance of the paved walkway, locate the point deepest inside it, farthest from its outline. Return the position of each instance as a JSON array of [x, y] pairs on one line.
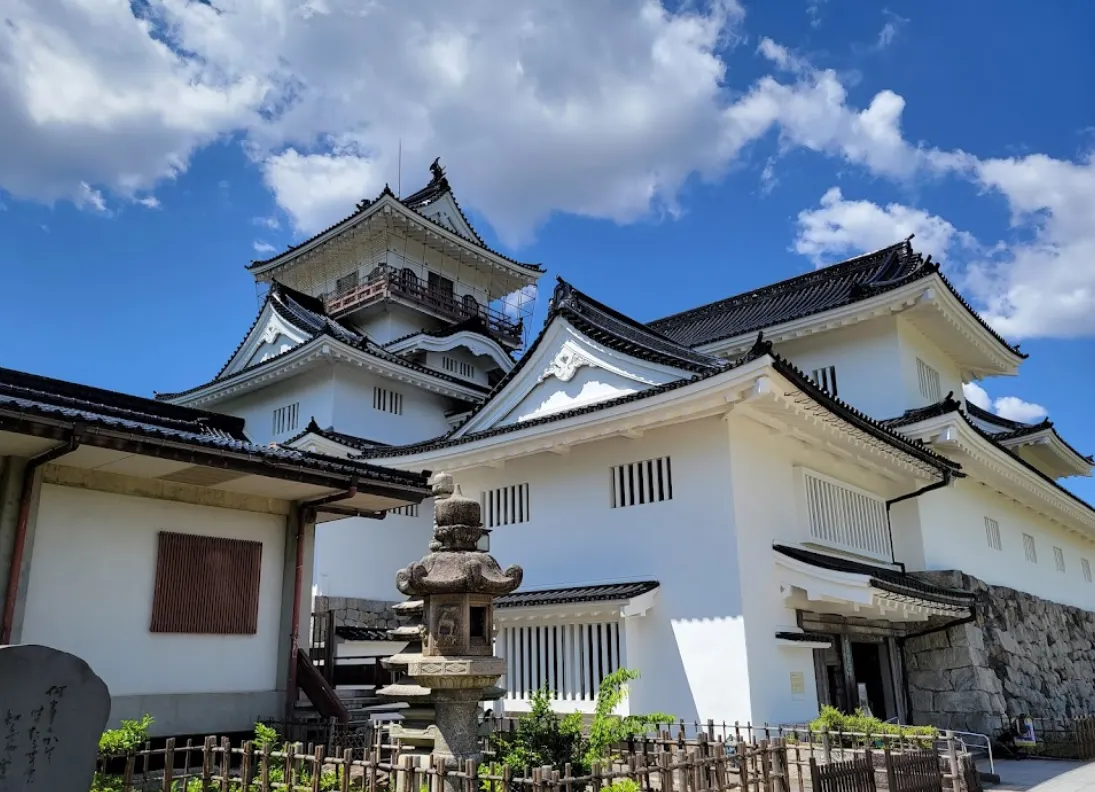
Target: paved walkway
[[1044, 775]]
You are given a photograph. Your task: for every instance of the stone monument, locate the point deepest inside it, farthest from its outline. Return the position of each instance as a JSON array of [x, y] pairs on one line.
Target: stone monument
[[53, 709], [449, 666]]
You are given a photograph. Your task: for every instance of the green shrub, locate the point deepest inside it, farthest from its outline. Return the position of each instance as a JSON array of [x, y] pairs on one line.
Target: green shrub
[[860, 723], [130, 736], [625, 785]]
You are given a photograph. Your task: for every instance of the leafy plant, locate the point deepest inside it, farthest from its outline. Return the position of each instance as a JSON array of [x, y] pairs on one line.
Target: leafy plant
[[609, 729], [860, 723], [130, 736]]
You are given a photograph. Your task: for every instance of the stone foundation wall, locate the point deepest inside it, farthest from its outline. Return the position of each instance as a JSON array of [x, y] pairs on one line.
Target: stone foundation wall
[[1022, 655], [354, 612]]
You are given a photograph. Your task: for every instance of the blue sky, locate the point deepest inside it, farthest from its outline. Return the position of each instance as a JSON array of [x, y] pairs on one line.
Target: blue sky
[[656, 156]]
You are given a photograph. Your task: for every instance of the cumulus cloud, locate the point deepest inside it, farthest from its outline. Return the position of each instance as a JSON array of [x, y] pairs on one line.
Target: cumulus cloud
[[267, 222], [840, 228], [263, 248], [1010, 407]]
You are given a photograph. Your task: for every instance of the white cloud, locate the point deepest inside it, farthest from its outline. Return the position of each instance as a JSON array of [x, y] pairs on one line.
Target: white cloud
[[149, 202], [263, 248], [267, 222], [1010, 407], [87, 197], [890, 29], [840, 228]]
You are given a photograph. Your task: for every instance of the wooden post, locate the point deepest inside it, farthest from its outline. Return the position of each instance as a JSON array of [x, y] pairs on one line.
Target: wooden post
[[168, 764], [265, 771], [826, 745], [891, 774], [317, 768], [246, 769], [207, 762], [226, 762]]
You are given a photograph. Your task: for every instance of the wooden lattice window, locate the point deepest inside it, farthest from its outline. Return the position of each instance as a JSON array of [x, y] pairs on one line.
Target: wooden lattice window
[[206, 585]]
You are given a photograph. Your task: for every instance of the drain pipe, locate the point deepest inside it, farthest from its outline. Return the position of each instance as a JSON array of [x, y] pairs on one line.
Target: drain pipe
[[19, 544], [948, 477], [306, 512]]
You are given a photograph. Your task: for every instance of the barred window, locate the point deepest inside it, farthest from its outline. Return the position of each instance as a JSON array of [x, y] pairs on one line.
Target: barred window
[[387, 401], [506, 505], [570, 660], [1059, 559], [992, 533], [636, 483], [825, 378], [206, 585], [1029, 549], [410, 510], [286, 418], [460, 367], [1085, 565], [928, 379]]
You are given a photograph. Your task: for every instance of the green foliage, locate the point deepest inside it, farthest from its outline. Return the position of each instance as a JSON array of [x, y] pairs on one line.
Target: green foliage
[[543, 737], [130, 736], [609, 729], [860, 723], [625, 785]]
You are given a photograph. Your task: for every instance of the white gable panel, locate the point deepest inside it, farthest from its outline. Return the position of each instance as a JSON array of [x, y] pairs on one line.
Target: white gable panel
[[270, 336], [445, 212], [567, 370]]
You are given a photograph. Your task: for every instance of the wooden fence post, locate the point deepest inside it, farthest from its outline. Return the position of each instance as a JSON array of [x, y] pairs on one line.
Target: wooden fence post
[[207, 762], [168, 763], [826, 745]]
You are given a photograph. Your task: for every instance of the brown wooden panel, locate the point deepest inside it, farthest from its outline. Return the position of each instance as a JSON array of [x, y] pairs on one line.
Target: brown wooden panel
[[206, 585]]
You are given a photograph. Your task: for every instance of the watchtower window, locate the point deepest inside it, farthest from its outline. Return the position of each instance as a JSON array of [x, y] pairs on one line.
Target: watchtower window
[[477, 623], [440, 285]]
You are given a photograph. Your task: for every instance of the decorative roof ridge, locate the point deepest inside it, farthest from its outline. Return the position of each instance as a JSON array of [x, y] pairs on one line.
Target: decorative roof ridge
[[593, 592], [1045, 477], [365, 204], [878, 429], [354, 441], [571, 302], [1006, 423], [438, 187], [122, 405], [807, 278], [947, 404]]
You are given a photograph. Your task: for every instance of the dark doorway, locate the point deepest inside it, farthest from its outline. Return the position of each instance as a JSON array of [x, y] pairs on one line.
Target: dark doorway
[[867, 662]]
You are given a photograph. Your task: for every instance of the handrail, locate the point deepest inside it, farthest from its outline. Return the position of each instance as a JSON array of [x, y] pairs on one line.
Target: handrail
[[988, 745]]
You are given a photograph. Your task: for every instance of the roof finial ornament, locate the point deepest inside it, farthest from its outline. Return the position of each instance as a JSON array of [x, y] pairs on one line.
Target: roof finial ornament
[[437, 171]]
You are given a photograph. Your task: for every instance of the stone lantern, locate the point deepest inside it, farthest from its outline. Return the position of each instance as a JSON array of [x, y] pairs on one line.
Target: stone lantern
[[457, 582]]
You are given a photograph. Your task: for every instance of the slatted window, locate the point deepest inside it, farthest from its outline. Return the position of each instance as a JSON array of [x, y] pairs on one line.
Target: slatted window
[[410, 510], [1085, 566], [1029, 550], [206, 585], [1059, 559], [286, 418], [992, 533], [928, 379], [460, 367], [506, 505], [825, 378], [846, 517], [570, 660], [636, 483], [387, 401]]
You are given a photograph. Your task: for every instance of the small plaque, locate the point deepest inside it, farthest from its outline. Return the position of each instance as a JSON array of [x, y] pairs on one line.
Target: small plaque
[[798, 684]]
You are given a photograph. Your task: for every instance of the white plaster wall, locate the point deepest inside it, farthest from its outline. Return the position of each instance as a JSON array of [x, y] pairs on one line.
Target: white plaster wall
[[481, 364], [589, 385], [423, 415], [690, 646], [91, 584], [953, 526], [357, 557], [915, 344], [868, 363], [313, 390], [388, 322]]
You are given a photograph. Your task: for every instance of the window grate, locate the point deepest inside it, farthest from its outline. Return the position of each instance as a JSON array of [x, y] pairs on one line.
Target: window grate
[[346, 282], [1029, 549], [637, 483], [846, 517], [410, 510], [286, 418], [825, 378], [1059, 559], [928, 379], [387, 401], [992, 533], [206, 585], [454, 366], [1085, 565], [570, 660], [506, 505]]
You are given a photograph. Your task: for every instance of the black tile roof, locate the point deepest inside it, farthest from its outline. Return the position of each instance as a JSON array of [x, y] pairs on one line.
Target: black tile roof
[[607, 323], [890, 580], [952, 405], [604, 592], [25, 398], [438, 186], [307, 314], [352, 441], [831, 287], [362, 633], [804, 637], [613, 329], [474, 324]]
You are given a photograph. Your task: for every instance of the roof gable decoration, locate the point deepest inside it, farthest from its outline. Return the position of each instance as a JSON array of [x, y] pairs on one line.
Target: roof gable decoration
[[270, 336], [445, 212], [565, 371], [475, 343]]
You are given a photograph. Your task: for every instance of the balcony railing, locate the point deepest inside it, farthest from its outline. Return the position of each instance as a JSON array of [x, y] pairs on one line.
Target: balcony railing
[[386, 283]]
